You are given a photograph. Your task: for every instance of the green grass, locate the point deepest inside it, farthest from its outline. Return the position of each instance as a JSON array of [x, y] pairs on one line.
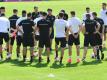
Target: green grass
[[91, 70]]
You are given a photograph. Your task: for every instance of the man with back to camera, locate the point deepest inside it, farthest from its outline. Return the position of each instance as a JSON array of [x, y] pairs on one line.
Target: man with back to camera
[[75, 27], [28, 38], [13, 31], [51, 18], [4, 33], [19, 38], [89, 26], [104, 17], [99, 36], [60, 37], [44, 28]]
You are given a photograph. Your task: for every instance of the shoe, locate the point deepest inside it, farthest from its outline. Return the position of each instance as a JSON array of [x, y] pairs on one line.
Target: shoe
[[102, 56], [56, 59], [78, 60], [83, 59], [8, 56], [69, 60]]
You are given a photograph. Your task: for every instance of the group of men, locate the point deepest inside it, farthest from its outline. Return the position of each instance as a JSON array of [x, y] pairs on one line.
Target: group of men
[[37, 29]]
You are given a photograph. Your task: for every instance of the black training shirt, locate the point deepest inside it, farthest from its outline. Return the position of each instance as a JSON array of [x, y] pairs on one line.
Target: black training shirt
[[101, 22], [44, 28], [51, 19], [13, 20], [27, 25], [90, 26]]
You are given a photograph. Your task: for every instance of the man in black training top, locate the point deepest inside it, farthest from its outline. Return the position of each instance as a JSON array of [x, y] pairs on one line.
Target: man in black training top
[[28, 39], [51, 19], [91, 28], [13, 31], [44, 28], [99, 36], [35, 14]]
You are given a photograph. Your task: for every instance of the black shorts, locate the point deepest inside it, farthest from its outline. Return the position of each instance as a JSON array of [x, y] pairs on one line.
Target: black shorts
[[44, 42], [61, 41], [37, 37], [89, 39], [74, 40], [12, 39], [4, 36], [19, 40], [105, 29], [28, 40], [52, 34], [98, 39]]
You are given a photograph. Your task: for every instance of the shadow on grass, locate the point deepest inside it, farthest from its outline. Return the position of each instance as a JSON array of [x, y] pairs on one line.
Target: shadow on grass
[[72, 65], [95, 62], [55, 65]]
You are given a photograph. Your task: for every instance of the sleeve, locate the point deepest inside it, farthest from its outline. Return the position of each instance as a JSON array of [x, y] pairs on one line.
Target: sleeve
[[38, 24], [20, 23], [17, 22]]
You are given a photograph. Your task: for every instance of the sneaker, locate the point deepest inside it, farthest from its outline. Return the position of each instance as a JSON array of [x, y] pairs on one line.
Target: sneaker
[[78, 60], [102, 56], [69, 60], [83, 59], [8, 56], [57, 59]]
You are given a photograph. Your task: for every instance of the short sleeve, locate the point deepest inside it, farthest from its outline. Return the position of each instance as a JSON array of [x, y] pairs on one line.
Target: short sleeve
[[20, 23]]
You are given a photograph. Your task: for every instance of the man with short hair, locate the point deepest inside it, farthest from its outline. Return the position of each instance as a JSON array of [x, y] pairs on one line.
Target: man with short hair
[[51, 18], [2, 9], [35, 14], [103, 16], [4, 33], [44, 28], [28, 39], [13, 31], [99, 36], [60, 37], [88, 11], [90, 27], [75, 26], [19, 37]]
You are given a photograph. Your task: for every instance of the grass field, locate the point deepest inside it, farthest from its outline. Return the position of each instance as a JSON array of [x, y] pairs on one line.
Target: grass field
[[91, 70]]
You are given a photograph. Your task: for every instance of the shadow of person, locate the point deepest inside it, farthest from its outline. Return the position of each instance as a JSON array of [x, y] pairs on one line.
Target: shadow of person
[[72, 65], [55, 65]]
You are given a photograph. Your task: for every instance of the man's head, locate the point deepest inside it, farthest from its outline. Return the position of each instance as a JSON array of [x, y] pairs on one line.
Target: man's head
[[104, 5], [87, 9], [88, 16], [24, 13], [62, 11], [29, 15], [49, 11], [72, 13], [94, 14], [15, 11], [61, 15], [44, 15], [35, 9], [2, 9]]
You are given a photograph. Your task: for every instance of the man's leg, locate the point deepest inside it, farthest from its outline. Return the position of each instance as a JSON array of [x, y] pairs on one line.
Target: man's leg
[[84, 54], [62, 54], [24, 53], [48, 55], [70, 54], [40, 52], [78, 53], [31, 54], [1, 55]]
